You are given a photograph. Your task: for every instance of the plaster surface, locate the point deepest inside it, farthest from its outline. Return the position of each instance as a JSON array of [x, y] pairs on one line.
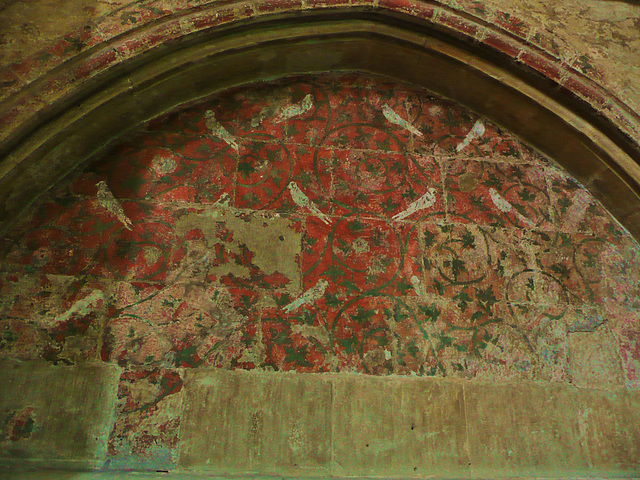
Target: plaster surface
[[249, 268]]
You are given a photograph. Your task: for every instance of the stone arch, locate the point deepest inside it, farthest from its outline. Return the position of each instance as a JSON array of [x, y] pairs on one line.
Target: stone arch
[[132, 92], [54, 122]]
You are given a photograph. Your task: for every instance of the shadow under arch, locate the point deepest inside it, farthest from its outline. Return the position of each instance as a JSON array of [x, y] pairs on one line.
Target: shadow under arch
[[399, 46]]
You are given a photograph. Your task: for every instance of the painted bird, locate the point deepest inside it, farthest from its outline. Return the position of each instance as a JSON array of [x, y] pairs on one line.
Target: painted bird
[[314, 293], [476, 131], [223, 200], [111, 203], [425, 201], [303, 201], [218, 130], [504, 206], [298, 109], [396, 119]]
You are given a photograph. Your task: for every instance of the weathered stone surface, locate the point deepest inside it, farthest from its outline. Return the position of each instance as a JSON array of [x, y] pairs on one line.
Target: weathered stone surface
[[599, 39], [594, 359], [181, 476], [393, 426], [609, 425], [56, 416], [522, 428], [147, 424], [537, 429], [238, 422]]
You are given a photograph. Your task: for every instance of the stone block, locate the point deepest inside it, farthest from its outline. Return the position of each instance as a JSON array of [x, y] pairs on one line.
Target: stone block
[[56, 416], [398, 427], [522, 428], [241, 422]]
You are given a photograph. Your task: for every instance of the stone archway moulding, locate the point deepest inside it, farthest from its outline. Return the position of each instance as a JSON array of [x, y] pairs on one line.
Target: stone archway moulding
[[53, 123]]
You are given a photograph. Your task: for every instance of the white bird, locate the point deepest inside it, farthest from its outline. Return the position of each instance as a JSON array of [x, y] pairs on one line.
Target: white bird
[[267, 111], [504, 206], [297, 109], [313, 294], [476, 131], [396, 119], [417, 286], [223, 201], [82, 307], [111, 204], [303, 201], [219, 131], [425, 201]]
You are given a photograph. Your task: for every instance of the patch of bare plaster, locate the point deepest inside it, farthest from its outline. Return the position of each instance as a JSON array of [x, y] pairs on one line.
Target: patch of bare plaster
[[511, 354], [221, 305], [594, 359], [467, 182], [581, 201], [272, 240], [26, 27], [586, 320]]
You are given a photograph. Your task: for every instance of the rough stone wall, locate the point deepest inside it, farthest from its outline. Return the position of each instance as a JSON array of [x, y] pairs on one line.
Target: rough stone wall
[[327, 224]]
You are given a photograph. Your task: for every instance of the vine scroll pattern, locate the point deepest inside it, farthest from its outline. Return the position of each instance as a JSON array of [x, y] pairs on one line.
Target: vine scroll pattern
[[334, 223]]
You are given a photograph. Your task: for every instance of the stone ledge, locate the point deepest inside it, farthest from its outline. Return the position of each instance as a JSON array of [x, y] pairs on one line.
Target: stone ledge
[[406, 427], [56, 416], [237, 423]]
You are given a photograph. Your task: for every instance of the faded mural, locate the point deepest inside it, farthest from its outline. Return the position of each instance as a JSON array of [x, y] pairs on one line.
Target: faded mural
[[333, 223]]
